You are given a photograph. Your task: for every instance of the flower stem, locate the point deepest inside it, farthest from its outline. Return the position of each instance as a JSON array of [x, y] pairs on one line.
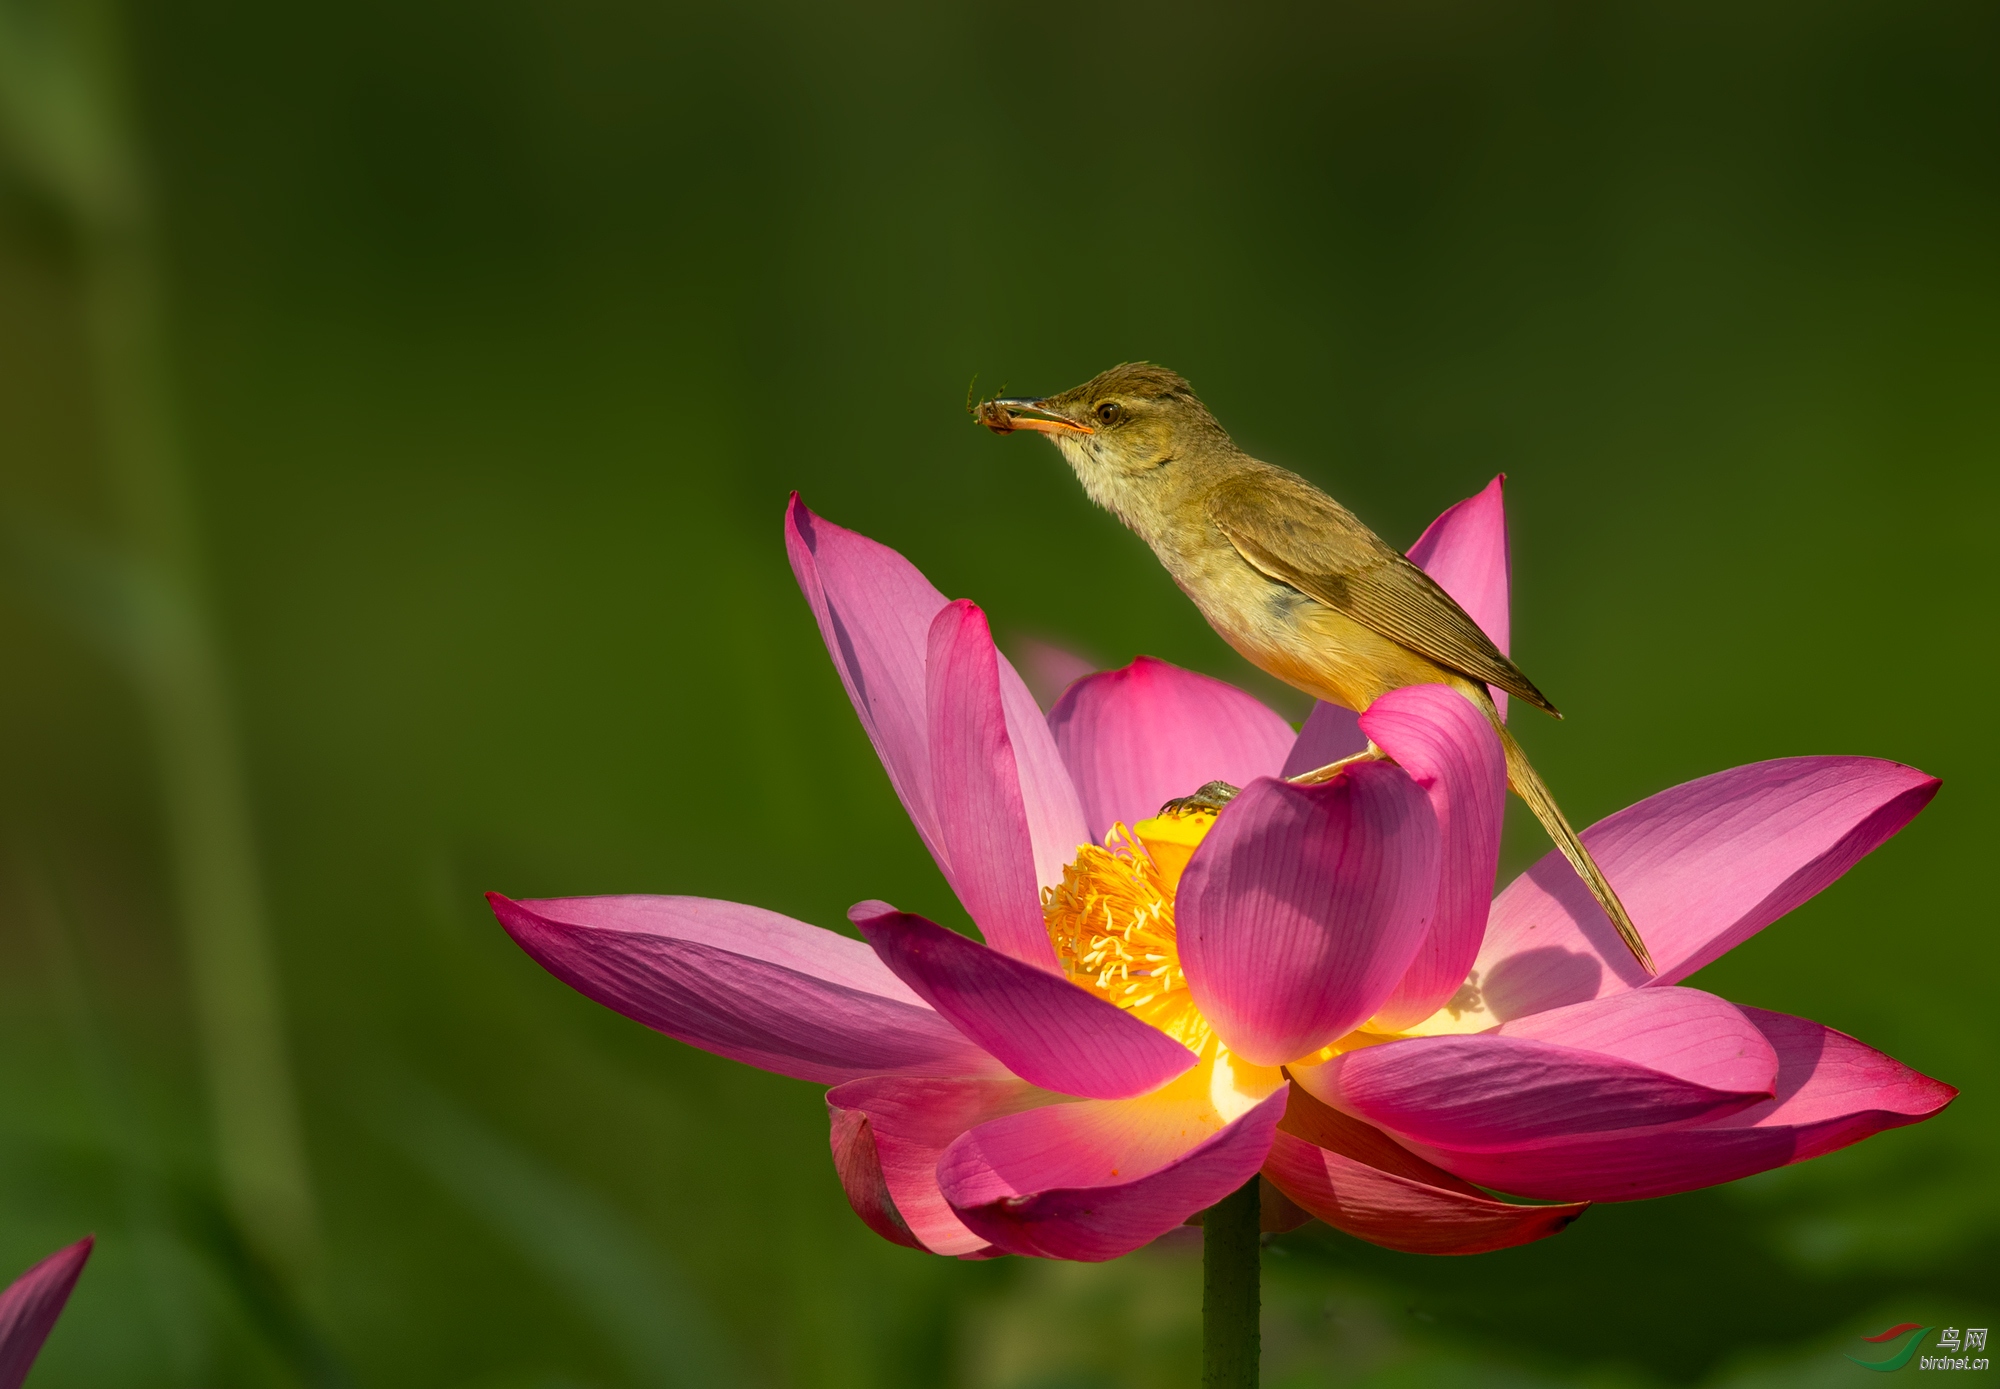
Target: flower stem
[[1229, 1292]]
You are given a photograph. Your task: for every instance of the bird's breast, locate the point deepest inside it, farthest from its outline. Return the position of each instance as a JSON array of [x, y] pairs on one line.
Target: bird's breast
[[1301, 641]]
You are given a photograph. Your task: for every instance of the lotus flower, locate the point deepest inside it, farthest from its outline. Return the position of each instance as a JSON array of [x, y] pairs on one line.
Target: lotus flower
[[1315, 984], [30, 1306]]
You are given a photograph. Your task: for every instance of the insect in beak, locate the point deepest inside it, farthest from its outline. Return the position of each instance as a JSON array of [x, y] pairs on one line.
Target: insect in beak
[[1005, 416]]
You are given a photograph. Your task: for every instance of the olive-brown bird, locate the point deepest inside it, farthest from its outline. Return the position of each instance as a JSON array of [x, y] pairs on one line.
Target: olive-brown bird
[[1288, 576]]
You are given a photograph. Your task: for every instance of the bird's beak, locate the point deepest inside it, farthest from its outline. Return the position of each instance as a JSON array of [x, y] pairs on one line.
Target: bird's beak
[[1006, 416]]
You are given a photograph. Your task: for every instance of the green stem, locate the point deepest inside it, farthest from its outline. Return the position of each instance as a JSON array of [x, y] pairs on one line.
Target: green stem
[[1229, 1293]]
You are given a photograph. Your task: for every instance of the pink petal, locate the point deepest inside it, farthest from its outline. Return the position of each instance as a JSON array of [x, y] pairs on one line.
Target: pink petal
[[976, 788], [874, 611], [1136, 738], [906, 1125], [1304, 906], [1094, 1180], [1683, 1032], [1048, 797], [1045, 1029], [1330, 733], [1049, 669], [743, 983], [858, 1164], [1831, 1091], [30, 1306], [1665, 1056], [1465, 550], [1355, 1179], [1449, 748], [1702, 868]]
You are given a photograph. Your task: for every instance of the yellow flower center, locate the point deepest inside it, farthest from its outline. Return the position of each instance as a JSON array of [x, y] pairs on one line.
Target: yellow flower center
[[1111, 921]]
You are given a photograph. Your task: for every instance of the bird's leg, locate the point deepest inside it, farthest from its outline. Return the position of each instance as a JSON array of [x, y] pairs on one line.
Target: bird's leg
[[1212, 797], [1333, 769]]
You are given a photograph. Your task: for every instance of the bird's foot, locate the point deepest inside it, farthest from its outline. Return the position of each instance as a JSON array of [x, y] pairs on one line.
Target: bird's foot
[[1333, 769], [1211, 798]]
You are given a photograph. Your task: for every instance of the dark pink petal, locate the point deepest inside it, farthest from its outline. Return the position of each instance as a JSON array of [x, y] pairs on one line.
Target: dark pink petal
[[858, 1164], [1304, 906], [976, 789], [907, 1124], [874, 611], [29, 1308], [743, 983], [1702, 868], [1357, 1180], [1651, 1057], [1448, 747], [1465, 550], [1042, 1027], [1136, 738], [1093, 1180], [1330, 733], [1831, 1091]]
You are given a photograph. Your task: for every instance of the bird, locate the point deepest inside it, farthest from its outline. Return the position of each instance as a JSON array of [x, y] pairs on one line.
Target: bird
[[1283, 572]]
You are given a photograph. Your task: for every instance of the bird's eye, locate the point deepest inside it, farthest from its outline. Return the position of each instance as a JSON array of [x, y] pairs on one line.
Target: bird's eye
[[1109, 412]]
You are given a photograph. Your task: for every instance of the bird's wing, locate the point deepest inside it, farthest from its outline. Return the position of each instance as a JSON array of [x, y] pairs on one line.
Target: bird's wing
[[1294, 533]]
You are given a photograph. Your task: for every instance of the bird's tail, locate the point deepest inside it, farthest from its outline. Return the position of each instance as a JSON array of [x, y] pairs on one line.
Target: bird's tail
[[1527, 783]]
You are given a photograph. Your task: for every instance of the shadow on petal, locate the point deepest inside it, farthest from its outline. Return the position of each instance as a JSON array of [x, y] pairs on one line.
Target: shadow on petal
[[1359, 1181]]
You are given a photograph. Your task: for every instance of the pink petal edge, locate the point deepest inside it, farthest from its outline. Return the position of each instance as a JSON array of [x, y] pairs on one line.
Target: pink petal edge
[[1043, 1028], [744, 983], [1832, 1091], [907, 1123], [1330, 733], [1448, 747], [976, 787], [1465, 550], [1358, 1181], [1702, 867], [1304, 906], [1136, 738], [1094, 1180], [31, 1304], [1642, 1059], [874, 610]]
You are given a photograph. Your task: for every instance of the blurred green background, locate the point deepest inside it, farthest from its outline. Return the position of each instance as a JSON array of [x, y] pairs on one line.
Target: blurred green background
[[397, 406]]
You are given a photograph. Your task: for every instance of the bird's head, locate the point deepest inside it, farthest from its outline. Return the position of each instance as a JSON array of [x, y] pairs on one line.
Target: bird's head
[[1116, 428]]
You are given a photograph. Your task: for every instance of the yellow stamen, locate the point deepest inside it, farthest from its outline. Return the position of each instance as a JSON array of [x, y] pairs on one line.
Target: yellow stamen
[[1111, 921]]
